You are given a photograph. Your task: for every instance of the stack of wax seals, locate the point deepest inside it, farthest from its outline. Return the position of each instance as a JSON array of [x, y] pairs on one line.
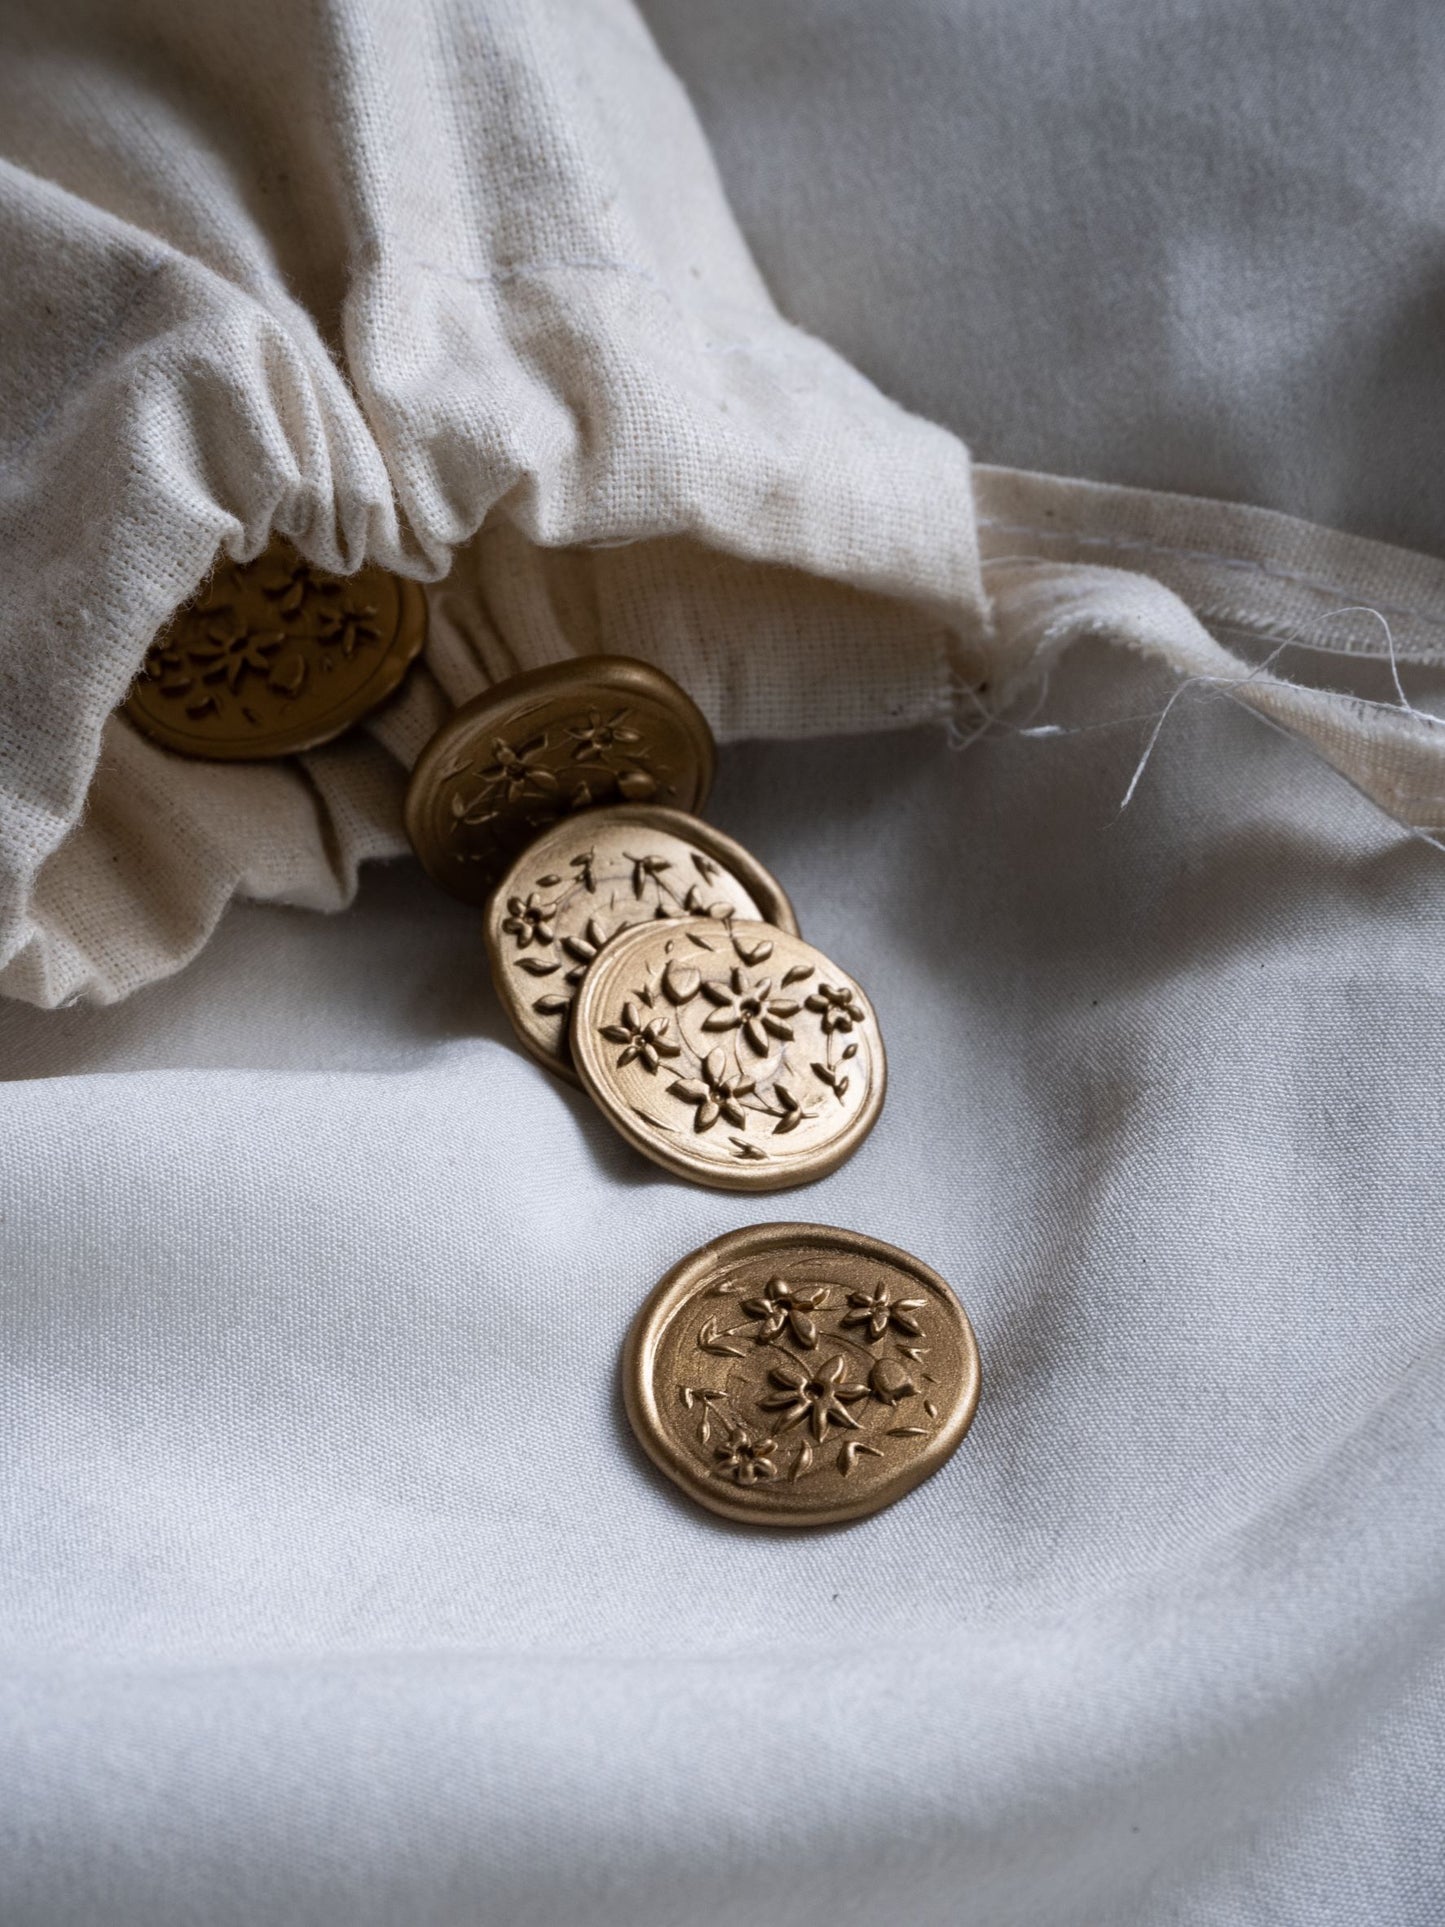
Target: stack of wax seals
[[785, 1374], [636, 949]]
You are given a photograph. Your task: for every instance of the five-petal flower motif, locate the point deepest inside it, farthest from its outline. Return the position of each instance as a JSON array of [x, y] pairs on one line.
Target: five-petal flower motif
[[646, 1043], [747, 1460], [583, 947], [529, 921], [749, 1006], [290, 585], [818, 1398], [232, 651], [714, 1093], [350, 628], [878, 1309], [598, 735], [514, 770], [791, 1112], [837, 1005], [784, 1307]]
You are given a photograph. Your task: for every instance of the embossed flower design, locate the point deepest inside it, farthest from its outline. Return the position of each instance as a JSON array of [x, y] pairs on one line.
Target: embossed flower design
[[714, 1093], [837, 1006], [163, 664], [515, 770], [645, 870], [168, 669], [643, 1043], [889, 1382], [816, 1398], [530, 920], [878, 1309], [749, 1006], [790, 1112], [746, 1460], [232, 651], [582, 948], [784, 1307], [289, 585], [599, 735], [350, 629]]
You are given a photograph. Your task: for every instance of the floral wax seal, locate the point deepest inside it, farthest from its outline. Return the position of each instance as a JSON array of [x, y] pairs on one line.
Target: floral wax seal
[[592, 876], [800, 1375], [544, 745], [276, 656], [733, 1054]]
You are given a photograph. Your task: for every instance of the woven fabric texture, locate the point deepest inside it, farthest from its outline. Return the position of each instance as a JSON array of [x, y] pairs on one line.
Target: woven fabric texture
[[456, 289], [370, 276]]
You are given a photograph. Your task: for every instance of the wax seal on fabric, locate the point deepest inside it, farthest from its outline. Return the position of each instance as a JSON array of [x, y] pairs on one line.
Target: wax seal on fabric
[[589, 878], [542, 745], [799, 1375], [275, 656], [736, 1055]]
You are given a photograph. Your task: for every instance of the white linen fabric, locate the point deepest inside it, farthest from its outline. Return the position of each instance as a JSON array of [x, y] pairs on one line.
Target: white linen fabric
[[1189, 245], [335, 1590]]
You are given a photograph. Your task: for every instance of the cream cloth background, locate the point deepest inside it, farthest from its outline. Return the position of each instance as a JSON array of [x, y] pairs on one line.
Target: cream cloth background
[[333, 1590]]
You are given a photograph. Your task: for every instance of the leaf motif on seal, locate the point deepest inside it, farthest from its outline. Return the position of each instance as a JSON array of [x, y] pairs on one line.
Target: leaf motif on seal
[[712, 1339], [680, 982], [753, 953]]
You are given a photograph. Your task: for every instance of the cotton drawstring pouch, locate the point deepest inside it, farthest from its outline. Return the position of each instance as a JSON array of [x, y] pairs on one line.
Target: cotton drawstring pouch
[[459, 296]]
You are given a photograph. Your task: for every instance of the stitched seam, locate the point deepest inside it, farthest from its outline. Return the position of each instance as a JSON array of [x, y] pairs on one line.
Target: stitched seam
[[1249, 566], [582, 264]]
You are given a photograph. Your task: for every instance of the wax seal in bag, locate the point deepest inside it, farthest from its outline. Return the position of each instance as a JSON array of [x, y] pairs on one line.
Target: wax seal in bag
[[276, 656]]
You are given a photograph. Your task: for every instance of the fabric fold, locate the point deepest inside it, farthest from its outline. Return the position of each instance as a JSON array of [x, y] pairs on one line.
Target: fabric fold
[[379, 279], [1392, 753], [458, 293]]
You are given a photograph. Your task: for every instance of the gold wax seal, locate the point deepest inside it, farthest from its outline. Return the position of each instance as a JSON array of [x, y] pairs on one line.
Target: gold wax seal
[[736, 1055], [597, 729], [798, 1375], [589, 878], [276, 656]]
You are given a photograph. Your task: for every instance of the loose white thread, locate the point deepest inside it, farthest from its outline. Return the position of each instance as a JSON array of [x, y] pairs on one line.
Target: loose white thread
[[1227, 686], [1225, 683]]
